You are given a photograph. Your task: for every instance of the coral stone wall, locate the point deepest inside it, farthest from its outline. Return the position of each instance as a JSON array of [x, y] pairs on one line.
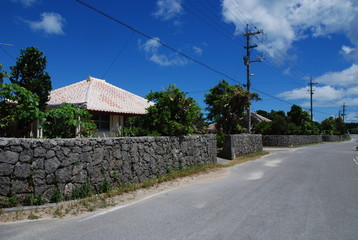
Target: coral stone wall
[[334, 138], [290, 140], [241, 144], [43, 166]]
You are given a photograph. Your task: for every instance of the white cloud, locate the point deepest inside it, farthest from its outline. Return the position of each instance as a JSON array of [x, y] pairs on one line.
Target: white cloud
[[168, 9], [151, 49], [26, 3], [340, 87], [349, 53], [325, 93], [165, 61], [346, 78], [325, 96], [50, 23], [352, 117], [347, 50], [292, 20], [198, 50]]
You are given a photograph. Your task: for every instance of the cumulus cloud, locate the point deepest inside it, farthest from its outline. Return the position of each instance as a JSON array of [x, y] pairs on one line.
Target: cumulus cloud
[[352, 117], [152, 50], [346, 78], [198, 50], [26, 3], [324, 96], [339, 87], [292, 20], [349, 52], [50, 23], [168, 9]]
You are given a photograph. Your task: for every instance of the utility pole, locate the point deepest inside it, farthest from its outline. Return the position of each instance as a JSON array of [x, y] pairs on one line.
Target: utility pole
[[311, 84], [344, 111], [247, 61]]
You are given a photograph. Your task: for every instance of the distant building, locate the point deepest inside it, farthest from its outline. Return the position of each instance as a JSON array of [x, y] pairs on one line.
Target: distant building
[[255, 117], [259, 118], [109, 105]]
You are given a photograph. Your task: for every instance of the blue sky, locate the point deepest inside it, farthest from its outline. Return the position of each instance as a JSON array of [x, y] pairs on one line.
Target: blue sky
[[303, 38]]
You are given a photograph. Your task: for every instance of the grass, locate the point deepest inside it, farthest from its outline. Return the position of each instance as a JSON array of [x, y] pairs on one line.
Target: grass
[[32, 216]]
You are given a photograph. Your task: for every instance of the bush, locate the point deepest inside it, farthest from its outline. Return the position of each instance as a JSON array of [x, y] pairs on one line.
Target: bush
[[62, 122]]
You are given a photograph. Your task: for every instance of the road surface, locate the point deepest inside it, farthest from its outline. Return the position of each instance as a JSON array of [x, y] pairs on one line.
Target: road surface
[[302, 193]]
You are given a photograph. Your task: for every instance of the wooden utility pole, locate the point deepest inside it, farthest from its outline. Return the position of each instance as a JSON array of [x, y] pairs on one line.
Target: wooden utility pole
[[247, 61], [344, 111], [311, 84]]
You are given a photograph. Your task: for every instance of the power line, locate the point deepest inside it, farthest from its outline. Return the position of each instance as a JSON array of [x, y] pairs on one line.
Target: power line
[[6, 52], [153, 39], [175, 50], [119, 53], [247, 62]]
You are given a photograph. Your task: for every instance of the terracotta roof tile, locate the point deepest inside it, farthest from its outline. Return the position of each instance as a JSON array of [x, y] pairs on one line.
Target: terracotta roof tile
[[98, 95]]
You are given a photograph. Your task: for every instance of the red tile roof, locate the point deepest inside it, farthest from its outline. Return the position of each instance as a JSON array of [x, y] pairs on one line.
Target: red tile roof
[[98, 95]]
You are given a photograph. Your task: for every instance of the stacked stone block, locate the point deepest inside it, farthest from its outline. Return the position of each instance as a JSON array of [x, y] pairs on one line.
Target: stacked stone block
[[41, 166], [241, 144]]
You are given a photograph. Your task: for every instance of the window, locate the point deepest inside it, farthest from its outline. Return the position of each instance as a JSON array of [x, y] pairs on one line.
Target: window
[[102, 121]]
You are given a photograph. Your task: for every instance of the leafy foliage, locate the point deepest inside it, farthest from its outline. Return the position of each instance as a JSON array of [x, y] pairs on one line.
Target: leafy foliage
[[2, 74], [62, 122], [18, 104], [277, 126], [173, 114], [333, 126], [226, 106], [29, 72], [298, 122]]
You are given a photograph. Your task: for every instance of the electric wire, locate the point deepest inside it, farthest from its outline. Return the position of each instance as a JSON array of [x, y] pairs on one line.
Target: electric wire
[[153, 39], [6, 52], [119, 53], [176, 51]]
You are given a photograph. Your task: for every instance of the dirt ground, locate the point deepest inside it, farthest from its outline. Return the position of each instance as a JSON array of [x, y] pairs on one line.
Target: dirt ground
[[103, 201]]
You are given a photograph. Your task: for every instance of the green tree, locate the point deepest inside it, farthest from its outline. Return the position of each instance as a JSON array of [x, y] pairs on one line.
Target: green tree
[[297, 122], [2, 74], [300, 122], [62, 122], [226, 106], [333, 126], [18, 105], [29, 72], [277, 126], [173, 114]]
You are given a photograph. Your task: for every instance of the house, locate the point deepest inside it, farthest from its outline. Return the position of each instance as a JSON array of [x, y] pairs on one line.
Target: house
[[255, 117], [259, 118], [109, 105]]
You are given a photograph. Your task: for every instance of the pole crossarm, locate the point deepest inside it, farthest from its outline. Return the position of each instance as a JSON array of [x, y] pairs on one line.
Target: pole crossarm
[[247, 61]]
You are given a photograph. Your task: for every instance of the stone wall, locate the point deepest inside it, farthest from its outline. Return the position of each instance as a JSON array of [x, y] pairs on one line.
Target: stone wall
[[41, 166], [290, 140], [335, 138], [331, 138], [241, 144]]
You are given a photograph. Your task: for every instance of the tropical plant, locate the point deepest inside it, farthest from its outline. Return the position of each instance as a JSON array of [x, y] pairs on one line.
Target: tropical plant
[[2, 74], [68, 121], [29, 72], [172, 114], [18, 105], [226, 106]]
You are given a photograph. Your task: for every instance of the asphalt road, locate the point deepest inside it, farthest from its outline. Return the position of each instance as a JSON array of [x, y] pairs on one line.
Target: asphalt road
[[303, 193]]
